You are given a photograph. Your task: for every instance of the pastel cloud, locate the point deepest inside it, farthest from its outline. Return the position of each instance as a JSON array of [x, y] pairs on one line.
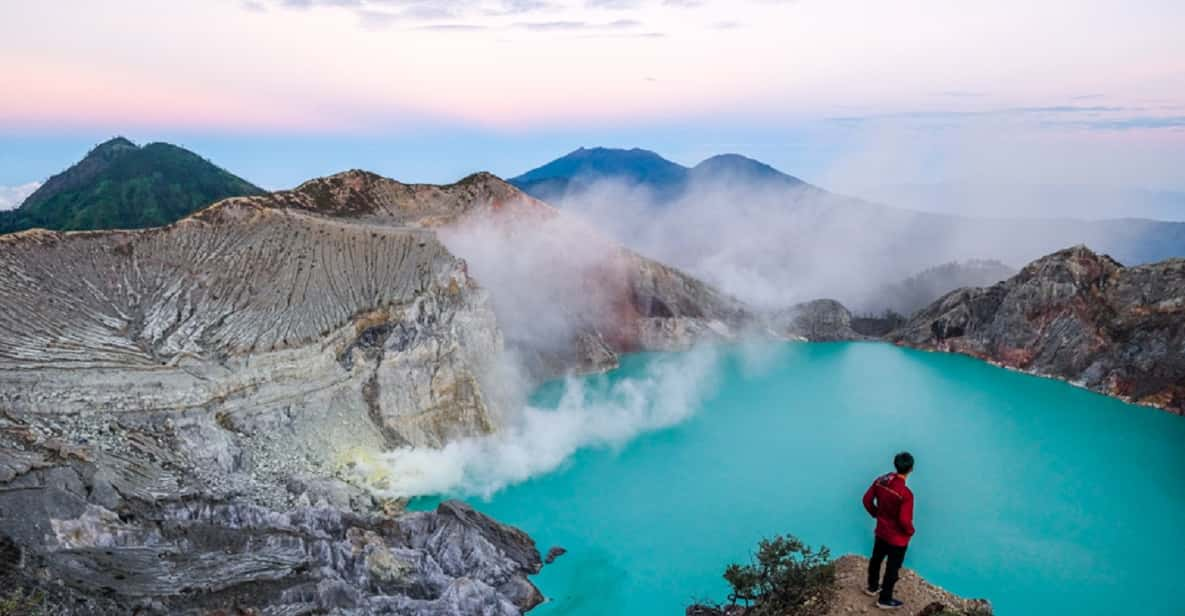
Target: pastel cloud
[[342, 66]]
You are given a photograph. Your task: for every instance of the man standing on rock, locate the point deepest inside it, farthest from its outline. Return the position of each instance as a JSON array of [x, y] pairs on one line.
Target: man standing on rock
[[891, 503]]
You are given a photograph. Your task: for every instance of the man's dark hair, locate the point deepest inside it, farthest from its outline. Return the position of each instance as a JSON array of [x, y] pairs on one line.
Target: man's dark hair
[[904, 462]]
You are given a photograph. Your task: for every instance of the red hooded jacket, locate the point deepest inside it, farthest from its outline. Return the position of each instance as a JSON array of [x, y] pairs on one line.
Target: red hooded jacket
[[891, 503]]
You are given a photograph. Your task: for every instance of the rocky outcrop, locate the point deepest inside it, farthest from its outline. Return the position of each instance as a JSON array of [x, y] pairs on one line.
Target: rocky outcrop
[[590, 298], [246, 311], [371, 198], [921, 598], [821, 320], [1074, 315], [179, 408], [182, 408], [107, 514]]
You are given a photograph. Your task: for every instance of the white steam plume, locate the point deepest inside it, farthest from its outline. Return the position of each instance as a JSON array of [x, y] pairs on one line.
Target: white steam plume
[[772, 246], [592, 413]]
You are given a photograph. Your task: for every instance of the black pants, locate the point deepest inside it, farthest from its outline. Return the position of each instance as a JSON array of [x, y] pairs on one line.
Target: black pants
[[896, 556]]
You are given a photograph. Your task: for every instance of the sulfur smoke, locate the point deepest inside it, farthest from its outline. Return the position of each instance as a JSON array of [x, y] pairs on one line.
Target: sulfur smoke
[[593, 413]]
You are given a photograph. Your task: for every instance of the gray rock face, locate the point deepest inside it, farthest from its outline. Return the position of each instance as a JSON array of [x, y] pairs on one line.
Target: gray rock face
[[248, 311], [182, 409], [180, 405], [115, 522], [610, 299], [821, 320], [1073, 315]]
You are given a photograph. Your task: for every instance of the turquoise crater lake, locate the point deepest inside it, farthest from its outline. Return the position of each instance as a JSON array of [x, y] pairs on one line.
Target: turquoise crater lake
[[1030, 492]]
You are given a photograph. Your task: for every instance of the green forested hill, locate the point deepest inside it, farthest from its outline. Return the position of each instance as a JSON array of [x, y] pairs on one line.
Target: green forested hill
[[120, 185]]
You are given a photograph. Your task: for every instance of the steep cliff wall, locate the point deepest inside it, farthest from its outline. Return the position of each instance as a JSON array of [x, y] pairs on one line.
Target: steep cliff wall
[[1074, 315], [181, 407], [567, 297], [247, 309], [178, 407]]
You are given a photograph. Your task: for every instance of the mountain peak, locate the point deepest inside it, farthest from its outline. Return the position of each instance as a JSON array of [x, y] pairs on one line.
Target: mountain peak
[[356, 193], [121, 185], [116, 142], [735, 167], [1078, 258], [482, 177], [583, 167], [634, 164], [109, 150], [666, 181]]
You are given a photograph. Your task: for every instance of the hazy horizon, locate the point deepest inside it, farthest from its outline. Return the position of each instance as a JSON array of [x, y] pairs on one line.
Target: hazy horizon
[[846, 95], [970, 198]]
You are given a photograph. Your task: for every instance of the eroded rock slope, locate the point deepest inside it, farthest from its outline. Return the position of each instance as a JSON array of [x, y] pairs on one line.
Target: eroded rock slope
[[567, 297], [181, 407], [1074, 315], [178, 407], [247, 308]]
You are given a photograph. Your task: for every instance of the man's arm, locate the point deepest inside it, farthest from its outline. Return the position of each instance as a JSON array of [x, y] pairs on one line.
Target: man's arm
[[869, 497], [905, 516]]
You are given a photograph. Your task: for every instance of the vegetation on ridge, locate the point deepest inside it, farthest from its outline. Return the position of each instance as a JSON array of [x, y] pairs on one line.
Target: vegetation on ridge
[[785, 578], [119, 185]]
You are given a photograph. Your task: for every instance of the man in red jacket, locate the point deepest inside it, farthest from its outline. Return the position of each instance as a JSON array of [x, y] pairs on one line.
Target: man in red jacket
[[891, 503]]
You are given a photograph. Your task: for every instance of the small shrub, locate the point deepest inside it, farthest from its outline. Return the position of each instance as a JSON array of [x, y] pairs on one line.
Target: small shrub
[[785, 578]]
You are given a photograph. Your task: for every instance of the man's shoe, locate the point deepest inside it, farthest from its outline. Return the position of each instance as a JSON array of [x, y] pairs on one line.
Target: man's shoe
[[893, 604], [872, 593]]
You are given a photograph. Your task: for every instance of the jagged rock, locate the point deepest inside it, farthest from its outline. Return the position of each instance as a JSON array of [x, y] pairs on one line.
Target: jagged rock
[[100, 529], [250, 312], [553, 554], [181, 407], [821, 320], [1073, 315], [610, 299]]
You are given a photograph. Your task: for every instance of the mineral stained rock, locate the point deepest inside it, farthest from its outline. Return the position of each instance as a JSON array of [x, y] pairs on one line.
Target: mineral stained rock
[[177, 407], [249, 312], [1074, 315], [586, 299], [116, 522], [181, 408]]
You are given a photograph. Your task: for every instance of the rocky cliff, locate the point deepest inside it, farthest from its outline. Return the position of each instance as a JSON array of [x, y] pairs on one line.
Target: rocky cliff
[[1074, 315], [178, 408], [821, 320], [567, 297], [181, 407], [248, 309]]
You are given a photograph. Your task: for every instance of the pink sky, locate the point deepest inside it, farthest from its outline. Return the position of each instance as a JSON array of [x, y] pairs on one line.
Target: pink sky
[[387, 64], [847, 93]]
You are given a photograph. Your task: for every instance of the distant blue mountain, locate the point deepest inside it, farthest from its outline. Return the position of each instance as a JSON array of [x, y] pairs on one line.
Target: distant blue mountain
[[577, 171], [749, 228], [737, 169], [637, 164]]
